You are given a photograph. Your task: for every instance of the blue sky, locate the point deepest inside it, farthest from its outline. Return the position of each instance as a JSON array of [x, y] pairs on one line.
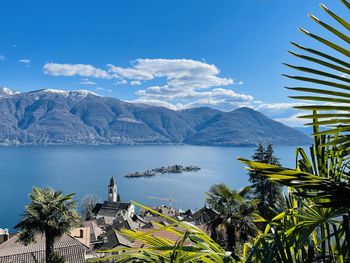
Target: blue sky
[[179, 54]]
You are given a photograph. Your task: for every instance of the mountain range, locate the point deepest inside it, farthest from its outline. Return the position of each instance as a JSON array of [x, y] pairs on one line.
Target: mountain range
[[82, 117]]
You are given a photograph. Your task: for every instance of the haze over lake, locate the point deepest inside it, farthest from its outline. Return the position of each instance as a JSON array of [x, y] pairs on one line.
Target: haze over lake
[[87, 169]]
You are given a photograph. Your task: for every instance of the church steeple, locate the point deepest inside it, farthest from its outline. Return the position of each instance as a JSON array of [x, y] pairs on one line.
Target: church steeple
[[112, 182], [112, 191]]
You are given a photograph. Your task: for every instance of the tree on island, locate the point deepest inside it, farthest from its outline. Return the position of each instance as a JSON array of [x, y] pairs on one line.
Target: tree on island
[[266, 191], [51, 214]]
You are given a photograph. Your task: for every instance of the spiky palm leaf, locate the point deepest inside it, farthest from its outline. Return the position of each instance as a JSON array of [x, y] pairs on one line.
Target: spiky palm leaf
[[330, 74], [326, 176], [327, 192], [323, 174]]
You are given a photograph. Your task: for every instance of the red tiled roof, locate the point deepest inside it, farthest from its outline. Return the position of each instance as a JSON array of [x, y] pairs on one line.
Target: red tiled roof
[[159, 233]]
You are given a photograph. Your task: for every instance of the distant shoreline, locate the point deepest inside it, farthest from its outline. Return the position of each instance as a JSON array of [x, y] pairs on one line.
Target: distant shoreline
[[247, 145]]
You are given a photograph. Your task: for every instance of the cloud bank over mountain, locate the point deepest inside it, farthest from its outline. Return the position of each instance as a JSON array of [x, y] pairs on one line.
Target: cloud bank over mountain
[[175, 84]]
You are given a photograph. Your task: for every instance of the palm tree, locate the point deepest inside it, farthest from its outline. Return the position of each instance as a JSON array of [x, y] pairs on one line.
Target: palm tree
[[50, 214], [235, 213]]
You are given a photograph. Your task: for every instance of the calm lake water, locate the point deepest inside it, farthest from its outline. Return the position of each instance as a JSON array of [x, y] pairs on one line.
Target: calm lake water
[[87, 169]]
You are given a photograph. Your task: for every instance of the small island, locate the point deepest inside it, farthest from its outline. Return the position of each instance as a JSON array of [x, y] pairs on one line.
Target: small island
[[173, 169]]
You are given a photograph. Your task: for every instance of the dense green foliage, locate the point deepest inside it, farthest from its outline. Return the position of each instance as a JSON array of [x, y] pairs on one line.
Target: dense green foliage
[[268, 193], [49, 213]]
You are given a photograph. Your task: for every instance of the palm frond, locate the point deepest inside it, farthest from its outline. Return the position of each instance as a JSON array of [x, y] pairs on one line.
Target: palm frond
[[331, 103], [329, 192], [192, 245]]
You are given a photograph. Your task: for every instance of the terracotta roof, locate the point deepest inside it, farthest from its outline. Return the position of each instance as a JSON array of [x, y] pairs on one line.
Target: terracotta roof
[[160, 233], [166, 235]]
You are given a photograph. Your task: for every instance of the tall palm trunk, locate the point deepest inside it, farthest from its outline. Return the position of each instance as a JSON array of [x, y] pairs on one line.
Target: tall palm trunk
[[49, 246], [230, 237]]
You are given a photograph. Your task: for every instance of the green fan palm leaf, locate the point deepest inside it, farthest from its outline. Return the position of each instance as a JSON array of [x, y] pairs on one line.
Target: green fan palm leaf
[[330, 106]]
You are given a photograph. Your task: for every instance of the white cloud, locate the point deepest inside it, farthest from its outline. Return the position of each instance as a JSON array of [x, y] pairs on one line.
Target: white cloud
[[103, 89], [219, 98], [166, 93], [278, 106], [184, 72], [135, 83], [293, 121], [87, 82], [155, 102], [178, 73], [188, 83], [185, 80], [24, 61], [129, 73], [120, 82], [83, 70], [277, 110], [2, 57]]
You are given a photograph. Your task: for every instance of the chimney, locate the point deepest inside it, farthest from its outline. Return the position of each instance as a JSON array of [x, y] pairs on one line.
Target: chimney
[[4, 235], [81, 233]]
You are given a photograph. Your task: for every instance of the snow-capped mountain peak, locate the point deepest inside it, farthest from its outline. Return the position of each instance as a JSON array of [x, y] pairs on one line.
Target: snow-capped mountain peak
[[67, 93], [5, 92]]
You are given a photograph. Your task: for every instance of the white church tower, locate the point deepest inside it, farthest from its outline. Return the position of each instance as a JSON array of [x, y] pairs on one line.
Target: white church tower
[[112, 191]]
